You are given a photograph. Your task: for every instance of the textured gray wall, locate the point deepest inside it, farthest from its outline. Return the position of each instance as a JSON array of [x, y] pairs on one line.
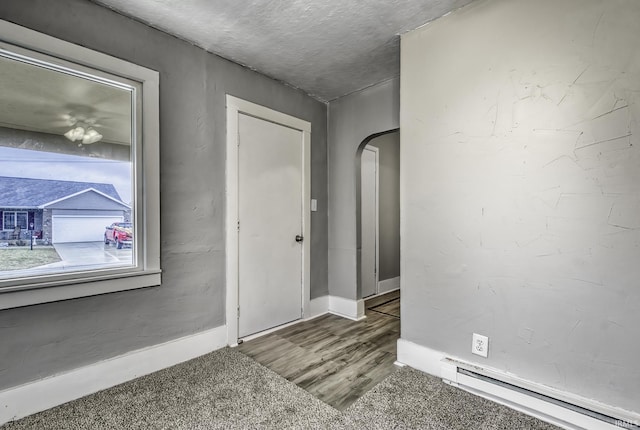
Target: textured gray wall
[[388, 204], [38, 341], [352, 119], [520, 188]]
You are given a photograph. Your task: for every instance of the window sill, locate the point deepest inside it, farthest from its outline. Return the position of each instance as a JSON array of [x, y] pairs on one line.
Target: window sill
[[85, 288]]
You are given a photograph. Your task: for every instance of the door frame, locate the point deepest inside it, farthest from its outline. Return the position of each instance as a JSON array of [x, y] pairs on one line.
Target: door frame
[[376, 151], [235, 107]]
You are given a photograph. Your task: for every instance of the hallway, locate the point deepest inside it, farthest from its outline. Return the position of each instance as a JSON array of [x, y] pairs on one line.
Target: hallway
[[335, 359]]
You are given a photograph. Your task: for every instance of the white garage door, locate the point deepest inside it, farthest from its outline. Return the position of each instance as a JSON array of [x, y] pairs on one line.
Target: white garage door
[[80, 228]]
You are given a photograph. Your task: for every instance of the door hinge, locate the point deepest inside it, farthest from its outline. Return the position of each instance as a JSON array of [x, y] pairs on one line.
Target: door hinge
[[238, 311], [238, 225]]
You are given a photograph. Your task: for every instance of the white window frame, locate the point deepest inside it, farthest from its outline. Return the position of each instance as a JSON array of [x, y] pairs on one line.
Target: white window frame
[[24, 291], [15, 217]]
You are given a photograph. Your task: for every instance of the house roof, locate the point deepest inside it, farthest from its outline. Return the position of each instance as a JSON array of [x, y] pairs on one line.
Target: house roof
[[31, 193], [80, 198]]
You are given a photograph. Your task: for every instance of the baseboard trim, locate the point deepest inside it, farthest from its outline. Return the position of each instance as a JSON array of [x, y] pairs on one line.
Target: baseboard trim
[[23, 400], [444, 366], [318, 306], [351, 309], [347, 308], [420, 357], [388, 285]]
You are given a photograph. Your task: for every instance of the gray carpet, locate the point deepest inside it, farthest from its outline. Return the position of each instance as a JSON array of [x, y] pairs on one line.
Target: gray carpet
[[410, 399], [228, 390]]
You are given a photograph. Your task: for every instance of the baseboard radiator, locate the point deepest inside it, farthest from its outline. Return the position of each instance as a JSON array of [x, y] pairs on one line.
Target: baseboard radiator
[[537, 400]]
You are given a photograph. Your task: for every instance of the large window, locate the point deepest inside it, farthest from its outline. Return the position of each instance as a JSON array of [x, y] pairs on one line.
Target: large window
[[78, 139], [11, 220]]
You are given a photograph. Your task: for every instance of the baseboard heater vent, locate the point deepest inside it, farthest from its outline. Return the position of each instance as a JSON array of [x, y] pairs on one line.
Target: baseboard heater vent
[[588, 412], [572, 413]]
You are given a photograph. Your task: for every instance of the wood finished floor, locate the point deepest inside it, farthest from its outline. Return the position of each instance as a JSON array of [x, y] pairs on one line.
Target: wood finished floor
[[335, 359]]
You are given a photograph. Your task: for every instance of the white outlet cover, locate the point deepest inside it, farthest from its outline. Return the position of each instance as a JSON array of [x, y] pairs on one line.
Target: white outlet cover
[[480, 345]]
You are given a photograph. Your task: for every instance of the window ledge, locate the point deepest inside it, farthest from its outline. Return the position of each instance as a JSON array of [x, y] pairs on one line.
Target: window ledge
[[46, 294]]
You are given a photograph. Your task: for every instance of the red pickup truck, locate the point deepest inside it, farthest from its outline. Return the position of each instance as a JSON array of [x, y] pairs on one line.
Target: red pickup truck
[[120, 233]]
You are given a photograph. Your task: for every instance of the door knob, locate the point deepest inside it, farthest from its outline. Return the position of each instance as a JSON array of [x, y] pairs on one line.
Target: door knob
[[299, 238]]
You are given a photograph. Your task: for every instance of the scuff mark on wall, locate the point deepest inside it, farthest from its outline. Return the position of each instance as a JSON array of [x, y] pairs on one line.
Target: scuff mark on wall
[[575, 326], [526, 334], [598, 142], [596, 28]]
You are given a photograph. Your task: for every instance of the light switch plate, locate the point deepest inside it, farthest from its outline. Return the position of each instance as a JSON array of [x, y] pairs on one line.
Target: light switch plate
[[314, 205]]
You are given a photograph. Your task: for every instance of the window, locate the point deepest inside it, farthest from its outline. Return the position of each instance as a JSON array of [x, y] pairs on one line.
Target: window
[[11, 220], [78, 139]]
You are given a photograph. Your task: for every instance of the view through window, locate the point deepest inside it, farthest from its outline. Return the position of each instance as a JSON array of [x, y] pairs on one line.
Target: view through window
[[67, 173]]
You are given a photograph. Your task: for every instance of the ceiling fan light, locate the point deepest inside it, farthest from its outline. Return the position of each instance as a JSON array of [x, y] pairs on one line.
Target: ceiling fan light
[[91, 136], [69, 135], [75, 134], [79, 132]]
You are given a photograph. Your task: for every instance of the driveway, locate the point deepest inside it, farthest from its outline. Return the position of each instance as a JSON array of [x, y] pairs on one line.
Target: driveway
[[92, 254], [81, 255]]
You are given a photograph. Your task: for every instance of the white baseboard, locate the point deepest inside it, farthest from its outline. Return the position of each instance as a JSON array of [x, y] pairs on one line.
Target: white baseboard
[[388, 285], [27, 399], [347, 308], [421, 358], [318, 306], [444, 366]]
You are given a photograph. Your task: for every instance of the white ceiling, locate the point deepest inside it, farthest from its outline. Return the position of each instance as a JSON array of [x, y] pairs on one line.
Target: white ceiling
[[328, 48]]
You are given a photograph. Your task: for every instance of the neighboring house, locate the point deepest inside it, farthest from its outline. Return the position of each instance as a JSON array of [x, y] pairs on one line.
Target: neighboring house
[[60, 211]]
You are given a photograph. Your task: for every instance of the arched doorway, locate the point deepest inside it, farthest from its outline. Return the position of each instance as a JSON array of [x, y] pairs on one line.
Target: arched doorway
[[378, 214], [353, 119]]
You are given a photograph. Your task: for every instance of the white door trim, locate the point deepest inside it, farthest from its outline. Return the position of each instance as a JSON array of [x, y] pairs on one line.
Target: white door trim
[[236, 106], [376, 151]]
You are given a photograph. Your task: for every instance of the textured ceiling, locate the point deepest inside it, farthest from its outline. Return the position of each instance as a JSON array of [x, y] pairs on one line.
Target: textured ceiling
[[328, 48]]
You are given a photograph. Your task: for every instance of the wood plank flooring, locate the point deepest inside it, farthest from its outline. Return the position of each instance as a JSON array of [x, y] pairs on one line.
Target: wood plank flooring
[[334, 358], [390, 307]]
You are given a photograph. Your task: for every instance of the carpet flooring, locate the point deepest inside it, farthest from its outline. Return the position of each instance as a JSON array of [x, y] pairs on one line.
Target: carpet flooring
[[228, 390]]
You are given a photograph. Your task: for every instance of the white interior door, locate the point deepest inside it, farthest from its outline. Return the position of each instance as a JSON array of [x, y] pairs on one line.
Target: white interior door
[[270, 213], [369, 221]]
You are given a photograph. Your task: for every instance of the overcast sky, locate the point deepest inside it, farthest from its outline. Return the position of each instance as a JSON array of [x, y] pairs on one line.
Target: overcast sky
[[24, 163]]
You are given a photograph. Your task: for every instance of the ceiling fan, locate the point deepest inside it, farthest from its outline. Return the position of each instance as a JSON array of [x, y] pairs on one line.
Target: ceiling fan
[[83, 125]]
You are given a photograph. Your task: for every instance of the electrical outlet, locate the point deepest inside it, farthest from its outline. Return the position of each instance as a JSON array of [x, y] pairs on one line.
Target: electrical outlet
[[480, 345]]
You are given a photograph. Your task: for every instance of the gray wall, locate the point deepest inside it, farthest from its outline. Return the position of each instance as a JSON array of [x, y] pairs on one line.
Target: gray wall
[[37, 341], [388, 204], [520, 188], [352, 119]]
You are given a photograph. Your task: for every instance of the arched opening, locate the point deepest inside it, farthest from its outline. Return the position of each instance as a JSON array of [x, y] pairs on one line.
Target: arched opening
[[378, 214]]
